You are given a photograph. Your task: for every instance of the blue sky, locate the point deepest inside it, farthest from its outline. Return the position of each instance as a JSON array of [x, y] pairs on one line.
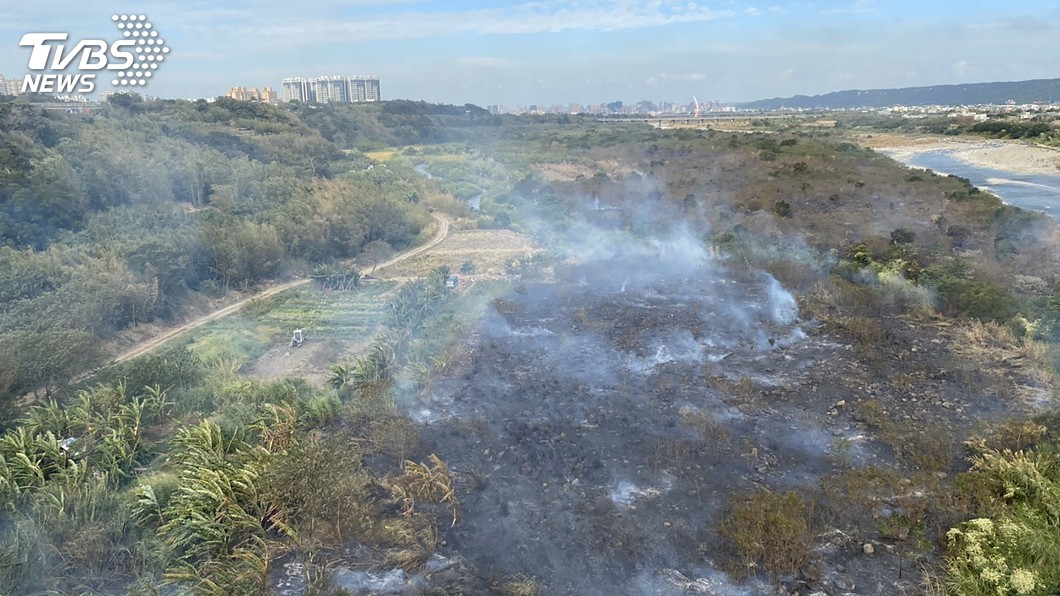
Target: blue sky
[[586, 51]]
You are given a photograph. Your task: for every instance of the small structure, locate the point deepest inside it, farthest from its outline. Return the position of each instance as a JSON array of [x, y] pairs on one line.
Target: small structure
[[297, 338], [451, 281], [69, 448]]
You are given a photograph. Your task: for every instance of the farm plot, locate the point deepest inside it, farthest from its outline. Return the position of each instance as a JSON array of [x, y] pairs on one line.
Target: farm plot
[[336, 324], [490, 252]]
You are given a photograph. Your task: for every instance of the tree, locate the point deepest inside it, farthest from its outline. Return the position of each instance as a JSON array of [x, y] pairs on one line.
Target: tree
[[48, 359]]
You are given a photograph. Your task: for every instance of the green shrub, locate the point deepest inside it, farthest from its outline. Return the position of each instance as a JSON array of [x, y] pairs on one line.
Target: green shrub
[[1017, 550]]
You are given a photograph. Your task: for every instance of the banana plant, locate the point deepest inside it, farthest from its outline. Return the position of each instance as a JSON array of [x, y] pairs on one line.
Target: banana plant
[[47, 417]]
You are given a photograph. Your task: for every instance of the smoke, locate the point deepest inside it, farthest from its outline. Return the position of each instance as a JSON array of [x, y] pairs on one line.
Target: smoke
[[601, 444], [671, 582], [782, 306]]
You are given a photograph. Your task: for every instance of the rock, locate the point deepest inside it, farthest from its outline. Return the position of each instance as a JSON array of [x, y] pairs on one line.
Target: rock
[[841, 403], [941, 475], [438, 563], [812, 572], [391, 582], [844, 584], [868, 549]]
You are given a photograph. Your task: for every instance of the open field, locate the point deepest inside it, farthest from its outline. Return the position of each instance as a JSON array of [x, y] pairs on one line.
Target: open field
[[337, 325], [146, 345], [382, 155], [489, 251]]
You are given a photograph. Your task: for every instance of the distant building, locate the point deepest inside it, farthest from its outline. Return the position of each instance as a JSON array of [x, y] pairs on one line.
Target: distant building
[[333, 89], [264, 95], [10, 86]]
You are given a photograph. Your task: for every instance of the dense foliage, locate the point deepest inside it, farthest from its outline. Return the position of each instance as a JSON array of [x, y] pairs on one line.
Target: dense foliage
[[126, 215]]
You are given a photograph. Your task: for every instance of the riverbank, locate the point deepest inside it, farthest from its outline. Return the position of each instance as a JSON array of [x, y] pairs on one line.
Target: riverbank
[[1010, 156]]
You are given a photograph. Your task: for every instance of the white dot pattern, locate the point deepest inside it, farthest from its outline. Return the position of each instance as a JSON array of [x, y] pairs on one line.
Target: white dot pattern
[[150, 49]]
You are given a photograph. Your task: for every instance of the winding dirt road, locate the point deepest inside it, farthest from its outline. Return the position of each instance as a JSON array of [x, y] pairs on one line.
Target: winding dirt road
[[154, 342]]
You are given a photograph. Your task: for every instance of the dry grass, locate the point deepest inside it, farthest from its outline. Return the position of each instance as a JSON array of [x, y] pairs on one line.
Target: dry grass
[[995, 352], [563, 172], [423, 483], [415, 538], [715, 436], [925, 446], [520, 585], [1014, 434], [489, 250], [992, 340], [769, 532], [383, 155], [743, 389]]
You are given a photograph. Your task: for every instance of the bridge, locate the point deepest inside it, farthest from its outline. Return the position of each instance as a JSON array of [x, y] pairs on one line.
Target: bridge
[[73, 107], [689, 120]]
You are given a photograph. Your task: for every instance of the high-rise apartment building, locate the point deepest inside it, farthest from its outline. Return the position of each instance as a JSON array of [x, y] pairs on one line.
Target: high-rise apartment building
[[333, 89], [10, 86]]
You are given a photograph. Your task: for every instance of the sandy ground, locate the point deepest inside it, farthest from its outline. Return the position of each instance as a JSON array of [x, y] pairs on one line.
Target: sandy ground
[[1011, 156]]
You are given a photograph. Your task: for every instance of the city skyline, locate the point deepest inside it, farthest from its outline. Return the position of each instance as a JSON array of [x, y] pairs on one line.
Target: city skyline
[[518, 53]]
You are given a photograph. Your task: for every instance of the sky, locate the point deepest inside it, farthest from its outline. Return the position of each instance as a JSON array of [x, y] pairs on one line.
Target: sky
[[586, 51]]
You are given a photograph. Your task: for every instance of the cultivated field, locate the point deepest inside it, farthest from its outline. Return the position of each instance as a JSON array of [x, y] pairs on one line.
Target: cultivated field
[[490, 251]]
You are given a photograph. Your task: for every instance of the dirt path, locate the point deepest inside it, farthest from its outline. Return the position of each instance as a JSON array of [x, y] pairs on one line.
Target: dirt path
[[151, 344]]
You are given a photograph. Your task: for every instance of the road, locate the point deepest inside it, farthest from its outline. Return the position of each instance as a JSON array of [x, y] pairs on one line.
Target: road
[[154, 342]]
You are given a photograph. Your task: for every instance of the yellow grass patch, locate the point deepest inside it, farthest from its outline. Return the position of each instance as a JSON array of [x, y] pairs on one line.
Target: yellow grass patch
[[996, 351], [488, 250], [563, 172], [383, 155]]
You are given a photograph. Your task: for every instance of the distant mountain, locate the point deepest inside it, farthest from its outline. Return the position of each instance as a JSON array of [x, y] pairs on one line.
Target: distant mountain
[[1047, 90]]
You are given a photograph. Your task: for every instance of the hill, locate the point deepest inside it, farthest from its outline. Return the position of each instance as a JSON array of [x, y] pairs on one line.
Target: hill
[[1047, 90], [138, 212]]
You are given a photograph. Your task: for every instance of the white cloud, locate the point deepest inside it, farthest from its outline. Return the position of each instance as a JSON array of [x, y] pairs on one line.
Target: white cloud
[[664, 78], [526, 18]]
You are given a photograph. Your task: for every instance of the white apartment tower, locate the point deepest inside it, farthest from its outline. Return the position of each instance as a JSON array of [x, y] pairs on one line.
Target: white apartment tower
[[333, 89]]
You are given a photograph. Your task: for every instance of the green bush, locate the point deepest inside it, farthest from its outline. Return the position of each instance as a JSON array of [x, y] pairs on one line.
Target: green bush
[[1017, 551], [960, 295]]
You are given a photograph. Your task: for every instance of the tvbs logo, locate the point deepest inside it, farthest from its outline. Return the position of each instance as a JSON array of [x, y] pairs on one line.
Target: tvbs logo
[[135, 56]]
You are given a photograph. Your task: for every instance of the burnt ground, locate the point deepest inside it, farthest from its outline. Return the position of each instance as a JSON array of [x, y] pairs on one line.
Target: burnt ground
[[600, 424]]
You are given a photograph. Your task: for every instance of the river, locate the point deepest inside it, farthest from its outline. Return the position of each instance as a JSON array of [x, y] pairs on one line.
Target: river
[[1037, 192], [474, 202]]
